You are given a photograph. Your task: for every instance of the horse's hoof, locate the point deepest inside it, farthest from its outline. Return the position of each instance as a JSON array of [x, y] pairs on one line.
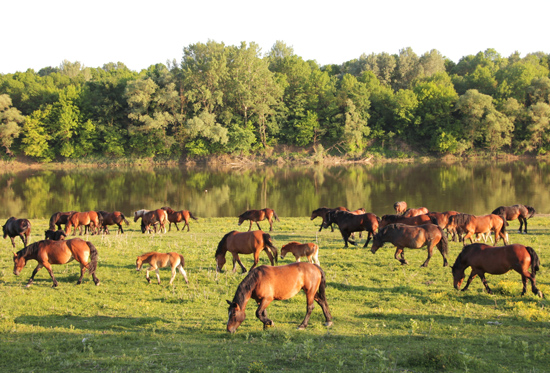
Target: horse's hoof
[[302, 327], [328, 324]]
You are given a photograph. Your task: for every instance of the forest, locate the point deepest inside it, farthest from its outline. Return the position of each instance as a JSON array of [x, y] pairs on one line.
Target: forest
[[222, 99]]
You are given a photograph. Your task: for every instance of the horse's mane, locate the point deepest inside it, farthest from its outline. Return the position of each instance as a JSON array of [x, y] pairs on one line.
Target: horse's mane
[[530, 210], [462, 219], [391, 218], [245, 214], [168, 209], [222, 249], [29, 250], [247, 286]]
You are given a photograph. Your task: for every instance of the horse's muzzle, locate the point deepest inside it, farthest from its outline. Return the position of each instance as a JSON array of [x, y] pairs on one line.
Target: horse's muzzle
[[16, 272]]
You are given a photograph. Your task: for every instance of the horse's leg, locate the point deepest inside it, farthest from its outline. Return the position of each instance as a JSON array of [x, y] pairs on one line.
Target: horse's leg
[[250, 226], [322, 301], [186, 224], [525, 229], [473, 275], [520, 223], [430, 253], [261, 313], [82, 270], [270, 225], [49, 268], [258, 224], [345, 236], [120, 230], [174, 273], [469, 235], [310, 297], [147, 274], [158, 274], [369, 236], [236, 257], [183, 273], [400, 255], [38, 267], [176, 224], [526, 275], [269, 255], [484, 280], [12, 242]]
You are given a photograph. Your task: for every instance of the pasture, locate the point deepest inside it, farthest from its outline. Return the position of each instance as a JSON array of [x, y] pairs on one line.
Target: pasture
[[387, 317]]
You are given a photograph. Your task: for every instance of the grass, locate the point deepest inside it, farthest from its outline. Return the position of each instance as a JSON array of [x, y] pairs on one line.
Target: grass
[[387, 317]]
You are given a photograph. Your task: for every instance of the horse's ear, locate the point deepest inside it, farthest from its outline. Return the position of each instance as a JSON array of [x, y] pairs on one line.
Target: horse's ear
[[228, 302], [15, 255]]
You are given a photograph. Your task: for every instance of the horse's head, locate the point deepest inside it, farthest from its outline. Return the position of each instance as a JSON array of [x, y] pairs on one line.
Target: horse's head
[[220, 262], [137, 214], [284, 251], [139, 263], [458, 275], [49, 234], [243, 217], [377, 242], [236, 317], [18, 264]]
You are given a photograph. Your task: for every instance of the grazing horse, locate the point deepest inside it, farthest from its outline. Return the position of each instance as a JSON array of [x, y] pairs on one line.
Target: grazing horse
[[149, 218], [265, 284], [410, 213], [177, 217], [112, 218], [414, 237], [309, 250], [54, 235], [17, 227], [158, 260], [415, 220], [244, 243], [349, 223], [496, 261], [87, 219], [400, 207], [322, 213], [49, 252], [521, 212], [59, 218], [472, 225], [258, 215]]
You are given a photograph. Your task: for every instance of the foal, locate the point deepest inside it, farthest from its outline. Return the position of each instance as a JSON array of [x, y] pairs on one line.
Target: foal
[[157, 260], [309, 250]]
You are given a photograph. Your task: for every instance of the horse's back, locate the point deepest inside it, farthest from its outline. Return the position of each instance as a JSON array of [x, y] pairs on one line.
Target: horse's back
[[283, 282]]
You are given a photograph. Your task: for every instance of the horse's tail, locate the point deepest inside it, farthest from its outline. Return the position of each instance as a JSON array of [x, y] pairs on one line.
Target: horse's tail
[[535, 262], [222, 248], [275, 215], [182, 261], [504, 224], [124, 218], [322, 286], [269, 244], [192, 217], [433, 219], [444, 242], [92, 265]]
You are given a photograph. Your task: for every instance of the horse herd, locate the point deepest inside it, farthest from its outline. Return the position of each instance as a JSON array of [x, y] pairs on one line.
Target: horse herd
[[408, 228]]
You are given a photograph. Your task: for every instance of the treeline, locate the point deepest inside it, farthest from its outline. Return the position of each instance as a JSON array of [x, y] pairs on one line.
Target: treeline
[[227, 99]]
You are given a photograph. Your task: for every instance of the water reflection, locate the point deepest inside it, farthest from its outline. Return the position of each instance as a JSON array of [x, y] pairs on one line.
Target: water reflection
[[473, 188]]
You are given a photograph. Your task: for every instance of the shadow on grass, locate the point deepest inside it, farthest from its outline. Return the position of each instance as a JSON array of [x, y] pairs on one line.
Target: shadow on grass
[[99, 323]]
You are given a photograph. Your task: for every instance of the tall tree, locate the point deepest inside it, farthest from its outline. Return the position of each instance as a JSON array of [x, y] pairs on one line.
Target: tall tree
[[10, 123]]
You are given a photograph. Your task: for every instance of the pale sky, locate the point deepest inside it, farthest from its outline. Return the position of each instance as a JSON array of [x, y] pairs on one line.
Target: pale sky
[[37, 34]]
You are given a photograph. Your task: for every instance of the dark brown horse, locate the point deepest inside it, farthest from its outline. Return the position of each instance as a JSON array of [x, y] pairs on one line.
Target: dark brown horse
[[322, 213], [245, 243], [49, 252], [87, 219], [400, 207], [177, 217], [496, 261], [265, 284], [413, 237], [349, 223], [112, 218], [521, 212], [410, 213], [54, 235], [258, 215], [393, 219], [17, 227], [472, 225], [59, 218], [153, 218]]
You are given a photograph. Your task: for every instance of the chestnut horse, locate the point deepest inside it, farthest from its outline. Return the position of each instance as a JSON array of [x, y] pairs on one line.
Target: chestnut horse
[[472, 224], [244, 243], [322, 213], [158, 260], [496, 261], [87, 219], [149, 218], [258, 215], [413, 237], [521, 212], [17, 227], [59, 218], [54, 235], [265, 284], [177, 217], [49, 252], [400, 207], [112, 218], [309, 250], [349, 223], [410, 213], [415, 220]]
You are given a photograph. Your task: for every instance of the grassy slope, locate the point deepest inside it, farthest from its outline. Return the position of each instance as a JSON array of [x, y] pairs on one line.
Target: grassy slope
[[386, 316]]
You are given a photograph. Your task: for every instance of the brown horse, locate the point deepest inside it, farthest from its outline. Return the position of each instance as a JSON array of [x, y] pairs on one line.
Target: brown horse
[[259, 215], [54, 235], [112, 218], [472, 225], [441, 219], [400, 207], [265, 284], [496, 261], [349, 223], [153, 218], [413, 237], [49, 252], [521, 212], [17, 227], [177, 217], [410, 213], [88, 219], [393, 219], [59, 218], [322, 213], [244, 243], [309, 250], [158, 260]]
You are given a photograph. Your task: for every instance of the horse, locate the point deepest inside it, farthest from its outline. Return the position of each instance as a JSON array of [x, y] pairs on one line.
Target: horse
[[521, 212], [149, 218], [59, 218], [49, 252], [17, 227], [258, 215], [158, 260], [265, 284], [322, 213], [441, 219], [177, 217], [400, 207], [349, 223], [414, 237], [472, 224], [393, 219], [309, 250], [54, 235], [78, 219], [410, 213], [496, 261], [112, 218], [244, 243]]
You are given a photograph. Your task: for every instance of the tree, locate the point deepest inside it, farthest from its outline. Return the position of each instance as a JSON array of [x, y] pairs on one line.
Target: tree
[[408, 68], [538, 128], [10, 123]]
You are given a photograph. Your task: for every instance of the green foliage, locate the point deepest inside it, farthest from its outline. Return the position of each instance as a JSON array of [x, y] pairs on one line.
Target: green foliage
[[10, 122]]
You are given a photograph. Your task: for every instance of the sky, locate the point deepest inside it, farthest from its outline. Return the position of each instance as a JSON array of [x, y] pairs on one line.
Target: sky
[[37, 34]]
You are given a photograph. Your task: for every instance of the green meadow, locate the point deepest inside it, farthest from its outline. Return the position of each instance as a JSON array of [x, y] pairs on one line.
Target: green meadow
[[387, 317]]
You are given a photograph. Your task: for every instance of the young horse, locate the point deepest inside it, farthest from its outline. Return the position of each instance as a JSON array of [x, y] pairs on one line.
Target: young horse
[[414, 237], [149, 218], [393, 219], [349, 223], [521, 212], [472, 224], [177, 217], [309, 250], [88, 219], [244, 243], [17, 227], [410, 213], [322, 213], [54, 235], [265, 284], [158, 260], [112, 218], [496, 261], [59, 218], [258, 215], [49, 252], [400, 207]]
